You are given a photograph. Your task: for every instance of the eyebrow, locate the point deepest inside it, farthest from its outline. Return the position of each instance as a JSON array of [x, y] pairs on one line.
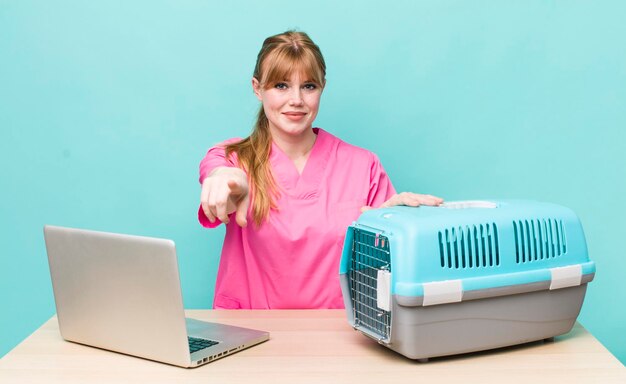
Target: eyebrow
[[303, 83]]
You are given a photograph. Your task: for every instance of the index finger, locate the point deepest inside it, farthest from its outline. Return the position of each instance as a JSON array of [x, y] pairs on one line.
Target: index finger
[[236, 188]]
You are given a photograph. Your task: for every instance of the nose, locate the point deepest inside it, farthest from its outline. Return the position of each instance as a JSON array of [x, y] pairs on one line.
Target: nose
[[296, 97]]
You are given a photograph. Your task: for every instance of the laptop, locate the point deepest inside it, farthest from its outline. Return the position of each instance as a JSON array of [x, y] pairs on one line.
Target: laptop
[[122, 293]]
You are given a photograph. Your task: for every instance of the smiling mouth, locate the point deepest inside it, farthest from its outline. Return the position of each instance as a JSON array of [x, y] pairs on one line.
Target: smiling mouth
[[294, 115]]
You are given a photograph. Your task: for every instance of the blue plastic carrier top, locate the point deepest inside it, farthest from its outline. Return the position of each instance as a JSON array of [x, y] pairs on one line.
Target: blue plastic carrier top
[[469, 246]]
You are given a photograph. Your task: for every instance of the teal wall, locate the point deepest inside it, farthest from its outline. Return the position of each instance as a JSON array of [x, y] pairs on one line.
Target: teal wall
[[107, 107]]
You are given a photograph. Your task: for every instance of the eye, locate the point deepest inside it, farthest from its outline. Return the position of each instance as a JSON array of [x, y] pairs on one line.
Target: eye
[[281, 86], [310, 86]]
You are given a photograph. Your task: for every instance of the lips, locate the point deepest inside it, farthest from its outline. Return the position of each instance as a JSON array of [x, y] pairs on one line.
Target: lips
[[294, 116]]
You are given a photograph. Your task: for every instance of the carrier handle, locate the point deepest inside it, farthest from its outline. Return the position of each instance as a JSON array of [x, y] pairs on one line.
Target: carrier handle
[[469, 204]]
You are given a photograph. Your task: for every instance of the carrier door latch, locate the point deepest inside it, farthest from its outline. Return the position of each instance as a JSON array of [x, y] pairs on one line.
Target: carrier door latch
[[563, 277], [383, 289]]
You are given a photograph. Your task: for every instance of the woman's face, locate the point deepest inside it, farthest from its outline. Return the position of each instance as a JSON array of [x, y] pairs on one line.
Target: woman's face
[[290, 105]]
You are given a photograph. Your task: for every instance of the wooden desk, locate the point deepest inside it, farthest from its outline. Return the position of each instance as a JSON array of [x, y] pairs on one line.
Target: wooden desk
[[312, 347]]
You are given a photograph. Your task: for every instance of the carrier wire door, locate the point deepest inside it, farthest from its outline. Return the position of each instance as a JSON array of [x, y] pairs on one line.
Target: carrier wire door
[[370, 255]]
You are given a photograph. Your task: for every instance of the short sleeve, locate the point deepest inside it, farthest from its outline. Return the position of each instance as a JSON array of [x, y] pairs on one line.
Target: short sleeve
[[215, 157], [381, 188]]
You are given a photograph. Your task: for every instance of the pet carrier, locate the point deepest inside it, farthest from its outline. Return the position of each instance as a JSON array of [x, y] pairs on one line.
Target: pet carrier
[[465, 276]]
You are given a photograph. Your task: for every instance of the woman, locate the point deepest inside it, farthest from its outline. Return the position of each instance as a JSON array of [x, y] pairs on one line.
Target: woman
[[288, 192]]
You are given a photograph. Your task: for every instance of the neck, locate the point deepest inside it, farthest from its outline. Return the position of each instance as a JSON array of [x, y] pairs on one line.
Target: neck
[[295, 147]]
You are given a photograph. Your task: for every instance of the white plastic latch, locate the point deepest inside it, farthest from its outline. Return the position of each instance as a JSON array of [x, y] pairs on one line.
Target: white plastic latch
[[383, 290], [442, 292], [563, 277]]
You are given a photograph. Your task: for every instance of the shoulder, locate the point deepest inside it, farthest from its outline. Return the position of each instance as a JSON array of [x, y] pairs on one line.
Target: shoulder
[[220, 148], [345, 150], [216, 155], [227, 142]]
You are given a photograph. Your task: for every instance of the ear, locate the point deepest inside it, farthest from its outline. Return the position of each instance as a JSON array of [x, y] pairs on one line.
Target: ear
[[256, 87]]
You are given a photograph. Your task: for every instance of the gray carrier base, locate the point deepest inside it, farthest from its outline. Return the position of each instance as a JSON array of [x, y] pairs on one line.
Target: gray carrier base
[[503, 319]]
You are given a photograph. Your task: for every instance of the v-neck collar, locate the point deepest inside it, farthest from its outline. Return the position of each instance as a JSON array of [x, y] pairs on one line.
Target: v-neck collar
[[305, 184]]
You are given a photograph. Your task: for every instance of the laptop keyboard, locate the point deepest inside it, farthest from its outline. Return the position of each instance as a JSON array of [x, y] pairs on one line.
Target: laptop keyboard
[[196, 344]]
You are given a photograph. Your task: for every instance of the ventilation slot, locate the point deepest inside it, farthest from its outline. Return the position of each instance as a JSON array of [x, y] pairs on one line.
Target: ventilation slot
[[370, 253], [472, 246], [538, 239]]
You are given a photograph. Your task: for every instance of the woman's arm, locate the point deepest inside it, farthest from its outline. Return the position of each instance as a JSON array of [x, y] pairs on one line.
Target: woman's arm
[[408, 198], [224, 191], [216, 171], [382, 193]]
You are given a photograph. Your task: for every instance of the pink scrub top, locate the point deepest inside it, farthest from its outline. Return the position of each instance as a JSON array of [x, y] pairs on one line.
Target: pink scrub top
[[292, 260]]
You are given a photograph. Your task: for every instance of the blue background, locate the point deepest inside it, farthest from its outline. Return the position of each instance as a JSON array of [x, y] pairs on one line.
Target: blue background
[[106, 109]]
